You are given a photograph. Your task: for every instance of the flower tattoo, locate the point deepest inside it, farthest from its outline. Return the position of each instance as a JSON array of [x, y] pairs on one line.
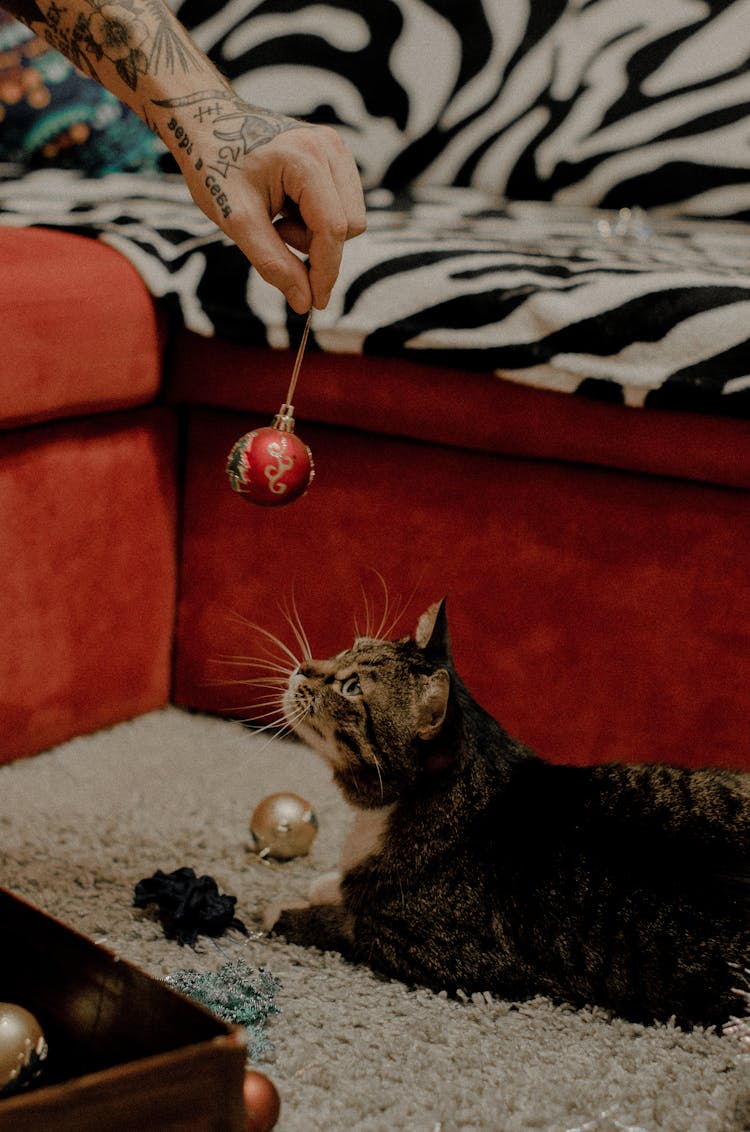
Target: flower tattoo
[[136, 37], [116, 33]]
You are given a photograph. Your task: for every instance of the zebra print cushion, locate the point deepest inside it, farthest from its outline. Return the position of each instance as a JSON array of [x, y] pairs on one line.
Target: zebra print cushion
[[588, 102]]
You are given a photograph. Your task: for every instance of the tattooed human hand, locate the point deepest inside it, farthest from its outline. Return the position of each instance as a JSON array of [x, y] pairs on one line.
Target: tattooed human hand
[[270, 182]]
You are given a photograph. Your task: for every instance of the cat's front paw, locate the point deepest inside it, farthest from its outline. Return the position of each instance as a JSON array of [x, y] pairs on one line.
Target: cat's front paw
[[273, 912]]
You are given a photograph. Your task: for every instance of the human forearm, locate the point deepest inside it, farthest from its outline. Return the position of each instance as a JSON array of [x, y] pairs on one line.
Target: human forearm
[[138, 51], [245, 165]]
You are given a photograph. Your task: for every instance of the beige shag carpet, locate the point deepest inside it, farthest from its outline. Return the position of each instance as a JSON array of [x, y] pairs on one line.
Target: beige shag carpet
[[81, 824]]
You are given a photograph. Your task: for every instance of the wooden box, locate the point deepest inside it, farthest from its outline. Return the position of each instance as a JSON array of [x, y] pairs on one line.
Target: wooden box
[[126, 1052]]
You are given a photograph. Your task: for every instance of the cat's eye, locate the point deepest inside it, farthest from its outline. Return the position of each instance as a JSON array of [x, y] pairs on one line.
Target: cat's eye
[[351, 686]]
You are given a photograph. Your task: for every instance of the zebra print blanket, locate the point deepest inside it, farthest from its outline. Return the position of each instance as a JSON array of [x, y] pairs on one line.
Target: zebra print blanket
[[611, 305], [623, 274], [590, 102]]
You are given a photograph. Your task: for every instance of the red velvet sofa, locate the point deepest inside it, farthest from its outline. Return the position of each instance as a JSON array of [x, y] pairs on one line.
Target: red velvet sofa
[[594, 549], [594, 556]]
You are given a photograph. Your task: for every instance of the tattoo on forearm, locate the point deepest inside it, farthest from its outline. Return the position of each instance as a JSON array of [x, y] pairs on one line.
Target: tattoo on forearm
[[237, 125], [169, 46], [249, 126], [136, 36], [192, 99]]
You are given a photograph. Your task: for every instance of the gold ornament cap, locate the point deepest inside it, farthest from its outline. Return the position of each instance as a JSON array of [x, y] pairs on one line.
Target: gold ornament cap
[[284, 419]]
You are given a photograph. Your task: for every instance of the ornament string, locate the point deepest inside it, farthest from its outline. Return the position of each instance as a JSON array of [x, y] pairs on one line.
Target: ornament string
[[298, 360]]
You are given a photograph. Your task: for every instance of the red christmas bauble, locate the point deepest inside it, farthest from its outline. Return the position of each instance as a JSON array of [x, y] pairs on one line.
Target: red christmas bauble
[[261, 1101], [271, 466]]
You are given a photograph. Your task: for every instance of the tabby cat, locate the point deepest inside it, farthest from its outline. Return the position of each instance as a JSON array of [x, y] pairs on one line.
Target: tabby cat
[[473, 864]]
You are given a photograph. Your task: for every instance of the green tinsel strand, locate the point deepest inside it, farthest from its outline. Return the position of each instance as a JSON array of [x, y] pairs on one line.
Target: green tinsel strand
[[236, 994]]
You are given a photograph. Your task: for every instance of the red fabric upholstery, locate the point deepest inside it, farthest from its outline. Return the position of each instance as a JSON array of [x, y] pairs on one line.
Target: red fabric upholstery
[[597, 614], [401, 398], [80, 332], [87, 562]]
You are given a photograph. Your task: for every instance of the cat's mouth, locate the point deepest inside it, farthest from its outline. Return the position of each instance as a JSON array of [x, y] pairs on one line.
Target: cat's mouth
[[298, 704]]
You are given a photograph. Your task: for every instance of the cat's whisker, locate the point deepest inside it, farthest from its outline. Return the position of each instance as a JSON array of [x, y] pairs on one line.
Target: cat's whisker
[[251, 722], [298, 714], [266, 681], [276, 684], [255, 720], [264, 709], [272, 700], [294, 622], [255, 662], [262, 685], [276, 723], [378, 634], [294, 721], [380, 776], [271, 637], [386, 631], [388, 619], [275, 711], [281, 729], [266, 657], [389, 630], [282, 733], [368, 615], [273, 697], [278, 689]]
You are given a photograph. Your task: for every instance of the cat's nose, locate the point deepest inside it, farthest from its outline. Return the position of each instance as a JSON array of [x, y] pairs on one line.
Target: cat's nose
[[306, 670]]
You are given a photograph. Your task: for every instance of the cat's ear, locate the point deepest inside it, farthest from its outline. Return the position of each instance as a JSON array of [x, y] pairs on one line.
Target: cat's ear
[[432, 704], [432, 631]]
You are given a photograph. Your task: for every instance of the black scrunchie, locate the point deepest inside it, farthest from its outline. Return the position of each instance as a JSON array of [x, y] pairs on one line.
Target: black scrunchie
[[189, 906]]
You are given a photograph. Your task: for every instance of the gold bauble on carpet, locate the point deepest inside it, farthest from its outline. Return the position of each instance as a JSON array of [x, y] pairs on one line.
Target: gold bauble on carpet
[[283, 826]]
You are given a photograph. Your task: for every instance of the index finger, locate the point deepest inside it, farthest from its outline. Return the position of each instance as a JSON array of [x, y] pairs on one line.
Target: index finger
[[331, 205]]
